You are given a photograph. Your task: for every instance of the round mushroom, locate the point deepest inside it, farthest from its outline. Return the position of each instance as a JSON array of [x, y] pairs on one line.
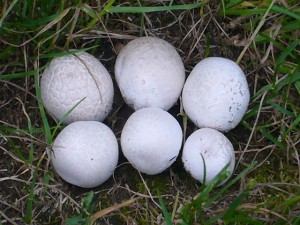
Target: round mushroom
[[216, 94], [217, 152], [85, 153], [77, 79], [149, 73], [151, 140]]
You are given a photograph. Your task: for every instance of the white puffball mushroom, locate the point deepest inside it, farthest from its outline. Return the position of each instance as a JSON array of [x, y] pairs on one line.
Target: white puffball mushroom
[[69, 79], [151, 140], [216, 94], [85, 153], [150, 73], [216, 150]]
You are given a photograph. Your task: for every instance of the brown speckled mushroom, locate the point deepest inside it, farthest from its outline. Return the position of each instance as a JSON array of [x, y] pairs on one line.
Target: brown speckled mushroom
[[216, 94], [151, 140], [217, 152]]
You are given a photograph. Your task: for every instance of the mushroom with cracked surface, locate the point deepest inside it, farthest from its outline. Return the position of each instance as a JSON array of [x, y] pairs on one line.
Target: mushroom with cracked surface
[[151, 140], [216, 94], [149, 73], [69, 79], [217, 152], [85, 153]]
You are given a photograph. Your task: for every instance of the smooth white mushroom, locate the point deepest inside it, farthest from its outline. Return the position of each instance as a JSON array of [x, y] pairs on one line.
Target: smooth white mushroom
[[216, 94], [149, 73], [85, 153], [70, 79], [151, 140], [216, 150]]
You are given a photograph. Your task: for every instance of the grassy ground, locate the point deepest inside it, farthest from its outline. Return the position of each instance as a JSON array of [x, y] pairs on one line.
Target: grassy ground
[[262, 36]]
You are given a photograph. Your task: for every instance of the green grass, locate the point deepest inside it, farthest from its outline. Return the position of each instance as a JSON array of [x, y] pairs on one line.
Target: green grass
[[86, 211], [265, 188], [198, 206]]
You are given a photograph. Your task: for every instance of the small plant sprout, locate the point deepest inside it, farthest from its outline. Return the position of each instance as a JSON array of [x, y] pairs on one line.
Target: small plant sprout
[[216, 94], [67, 80], [151, 140], [209, 146], [149, 73], [85, 153]]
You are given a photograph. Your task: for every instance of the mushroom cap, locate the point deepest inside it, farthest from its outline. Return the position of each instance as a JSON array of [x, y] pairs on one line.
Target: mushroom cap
[[150, 73], [69, 79], [217, 152], [216, 94], [85, 153], [151, 140]]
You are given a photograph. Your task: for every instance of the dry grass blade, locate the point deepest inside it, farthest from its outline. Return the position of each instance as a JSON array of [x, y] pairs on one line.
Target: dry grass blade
[[48, 26], [252, 131], [5, 11], [263, 211], [110, 209], [262, 22], [93, 76], [7, 218]]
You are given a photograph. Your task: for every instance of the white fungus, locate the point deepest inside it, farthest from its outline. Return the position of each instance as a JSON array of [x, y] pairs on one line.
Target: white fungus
[[85, 153], [149, 73], [67, 80], [216, 94], [151, 140], [216, 150]]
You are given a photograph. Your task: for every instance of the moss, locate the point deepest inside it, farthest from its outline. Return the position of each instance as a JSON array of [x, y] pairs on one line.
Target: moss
[[159, 183], [154, 183], [264, 175], [276, 169], [141, 187]]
